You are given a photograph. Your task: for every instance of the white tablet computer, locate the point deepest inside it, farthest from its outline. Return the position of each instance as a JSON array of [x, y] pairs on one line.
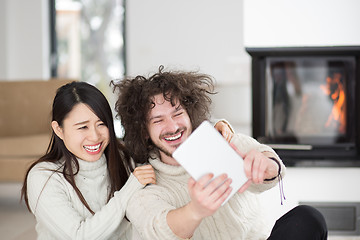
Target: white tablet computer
[[206, 151]]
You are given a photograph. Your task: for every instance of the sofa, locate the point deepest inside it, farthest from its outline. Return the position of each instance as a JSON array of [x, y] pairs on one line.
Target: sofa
[[25, 132]]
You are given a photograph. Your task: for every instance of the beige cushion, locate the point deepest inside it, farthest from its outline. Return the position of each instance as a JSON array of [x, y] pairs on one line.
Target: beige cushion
[[26, 146], [17, 154], [14, 169], [25, 106]]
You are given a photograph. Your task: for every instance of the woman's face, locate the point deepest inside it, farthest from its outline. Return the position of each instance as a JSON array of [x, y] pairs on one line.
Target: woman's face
[[83, 133]]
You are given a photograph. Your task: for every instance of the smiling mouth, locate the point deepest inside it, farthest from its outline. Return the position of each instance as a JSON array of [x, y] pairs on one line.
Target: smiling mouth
[[92, 148], [174, 137]]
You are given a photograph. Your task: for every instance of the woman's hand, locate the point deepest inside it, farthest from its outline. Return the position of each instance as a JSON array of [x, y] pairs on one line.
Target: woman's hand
[[225, 130], [145, 174]]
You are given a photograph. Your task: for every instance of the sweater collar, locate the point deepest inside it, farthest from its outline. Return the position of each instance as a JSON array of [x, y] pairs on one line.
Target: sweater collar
[[86, 166], [166, 168]]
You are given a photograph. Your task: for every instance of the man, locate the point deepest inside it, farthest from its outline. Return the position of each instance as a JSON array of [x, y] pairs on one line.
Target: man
[[160, 113]]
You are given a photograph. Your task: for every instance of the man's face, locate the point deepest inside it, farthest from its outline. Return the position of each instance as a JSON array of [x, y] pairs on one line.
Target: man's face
[[168, 126]]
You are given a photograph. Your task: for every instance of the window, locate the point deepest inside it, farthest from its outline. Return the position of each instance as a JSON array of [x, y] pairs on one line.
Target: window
[[88, 42]]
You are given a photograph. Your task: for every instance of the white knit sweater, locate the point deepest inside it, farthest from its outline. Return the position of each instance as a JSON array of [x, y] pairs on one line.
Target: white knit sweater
[[61, 215], [239, 218]]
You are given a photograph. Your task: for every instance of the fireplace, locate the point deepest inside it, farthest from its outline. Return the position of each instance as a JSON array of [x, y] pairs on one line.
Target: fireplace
[[306, 103]]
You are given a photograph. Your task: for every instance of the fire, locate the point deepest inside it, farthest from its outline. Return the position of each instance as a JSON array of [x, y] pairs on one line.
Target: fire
[[335, 89]]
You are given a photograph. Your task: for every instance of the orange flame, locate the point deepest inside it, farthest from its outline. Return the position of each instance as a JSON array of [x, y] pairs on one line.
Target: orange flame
[[337, 116]]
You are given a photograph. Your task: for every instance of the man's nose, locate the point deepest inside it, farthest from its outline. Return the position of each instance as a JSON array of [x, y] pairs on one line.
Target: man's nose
[[172, 125]]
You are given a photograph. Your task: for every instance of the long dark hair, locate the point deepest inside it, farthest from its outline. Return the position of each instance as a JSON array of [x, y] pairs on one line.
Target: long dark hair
[[192, 89], [118, 160]]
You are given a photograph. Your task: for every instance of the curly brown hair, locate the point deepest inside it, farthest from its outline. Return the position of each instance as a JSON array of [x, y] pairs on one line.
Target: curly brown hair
[[135, 101]]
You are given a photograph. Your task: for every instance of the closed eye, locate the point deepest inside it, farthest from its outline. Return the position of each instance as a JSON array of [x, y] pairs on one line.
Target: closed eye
[[157, 121], [179, 114], [101, 124]]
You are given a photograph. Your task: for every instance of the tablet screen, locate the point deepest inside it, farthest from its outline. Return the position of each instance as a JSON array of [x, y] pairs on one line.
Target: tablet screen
[[206, 151]]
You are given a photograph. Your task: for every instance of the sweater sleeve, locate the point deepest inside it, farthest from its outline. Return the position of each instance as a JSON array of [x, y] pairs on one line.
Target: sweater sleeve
[[246, 143], [147, 211], [51, 201]]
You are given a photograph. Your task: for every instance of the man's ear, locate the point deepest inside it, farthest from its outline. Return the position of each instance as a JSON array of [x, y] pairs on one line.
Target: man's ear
[[57, 129]]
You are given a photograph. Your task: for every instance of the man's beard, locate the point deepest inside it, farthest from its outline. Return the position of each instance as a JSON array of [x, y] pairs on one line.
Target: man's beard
[[162, 149]]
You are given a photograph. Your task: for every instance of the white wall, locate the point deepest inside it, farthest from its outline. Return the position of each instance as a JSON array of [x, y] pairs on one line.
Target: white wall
[[24, 39], [194, 35], [281, 23], [3, 17], [190, 34]]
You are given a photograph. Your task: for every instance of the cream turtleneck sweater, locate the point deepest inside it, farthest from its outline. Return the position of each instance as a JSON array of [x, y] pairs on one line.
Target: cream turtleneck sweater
[[61, 215], [240, 218]]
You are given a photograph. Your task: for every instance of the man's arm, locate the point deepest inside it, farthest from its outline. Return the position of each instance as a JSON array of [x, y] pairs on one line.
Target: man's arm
[[205, 200], [261, 163], [259, 166], [153, 213]]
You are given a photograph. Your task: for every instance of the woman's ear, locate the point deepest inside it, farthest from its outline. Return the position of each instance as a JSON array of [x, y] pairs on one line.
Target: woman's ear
[[57, 129]]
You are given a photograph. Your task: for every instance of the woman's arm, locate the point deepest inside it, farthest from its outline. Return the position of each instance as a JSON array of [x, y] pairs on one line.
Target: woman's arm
[[225, 129]]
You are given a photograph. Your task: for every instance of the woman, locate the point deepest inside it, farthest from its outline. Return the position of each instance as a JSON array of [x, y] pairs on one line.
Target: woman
[[79, 189]]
